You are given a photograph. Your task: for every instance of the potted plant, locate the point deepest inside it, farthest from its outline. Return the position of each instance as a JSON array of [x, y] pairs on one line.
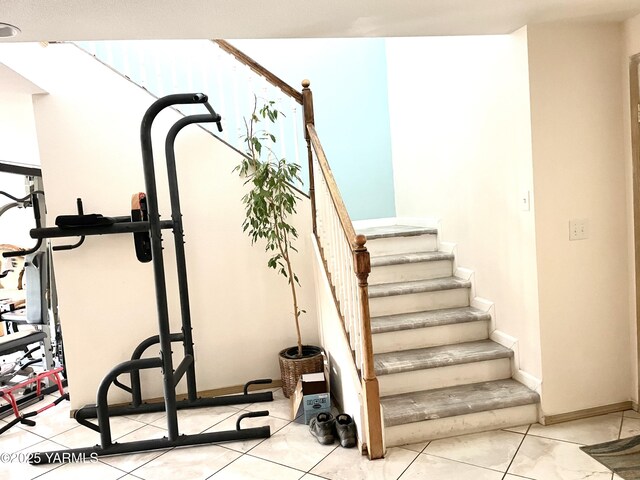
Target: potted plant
[[269, 203]]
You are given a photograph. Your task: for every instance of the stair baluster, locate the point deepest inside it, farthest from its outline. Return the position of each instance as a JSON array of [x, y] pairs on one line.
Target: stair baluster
[[347, 266]]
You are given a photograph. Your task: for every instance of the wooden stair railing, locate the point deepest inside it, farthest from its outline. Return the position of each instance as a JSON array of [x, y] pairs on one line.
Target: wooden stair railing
[[347, 265], [344, 254], [260, 70]]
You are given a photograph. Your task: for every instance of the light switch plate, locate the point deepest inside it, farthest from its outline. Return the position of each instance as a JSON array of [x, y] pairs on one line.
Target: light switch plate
[[578, 229]]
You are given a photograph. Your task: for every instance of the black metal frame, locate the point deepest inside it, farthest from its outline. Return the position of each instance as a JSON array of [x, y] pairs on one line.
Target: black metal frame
[[20, 169], [102, 411], [49, 339]]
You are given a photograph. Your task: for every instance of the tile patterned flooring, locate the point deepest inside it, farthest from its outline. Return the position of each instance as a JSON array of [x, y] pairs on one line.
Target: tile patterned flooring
[[527, 452]]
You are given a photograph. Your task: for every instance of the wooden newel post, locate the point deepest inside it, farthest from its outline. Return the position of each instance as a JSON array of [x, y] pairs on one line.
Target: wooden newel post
[[370, 386], [308, 118]]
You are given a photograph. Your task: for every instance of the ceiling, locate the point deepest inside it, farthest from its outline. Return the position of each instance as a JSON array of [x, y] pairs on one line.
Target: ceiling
[[58, 20]]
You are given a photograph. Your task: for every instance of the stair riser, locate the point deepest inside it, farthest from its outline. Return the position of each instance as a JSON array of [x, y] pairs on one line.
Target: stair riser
[[460, 425], [407, 272], [397, 245], [449, 376], [430, 336], [417, 302]]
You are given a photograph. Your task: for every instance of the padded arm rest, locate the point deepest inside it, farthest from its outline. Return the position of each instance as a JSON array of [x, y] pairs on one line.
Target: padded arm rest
[[92, 220]]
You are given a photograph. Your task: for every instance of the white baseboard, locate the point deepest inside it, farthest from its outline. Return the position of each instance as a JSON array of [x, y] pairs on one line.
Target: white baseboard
[[504, 339], [447, 247], [486, 306], [530, 381], [464, 274]]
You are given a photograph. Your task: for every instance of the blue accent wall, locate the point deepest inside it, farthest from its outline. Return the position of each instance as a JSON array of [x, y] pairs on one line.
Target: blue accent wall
[[349, 83]]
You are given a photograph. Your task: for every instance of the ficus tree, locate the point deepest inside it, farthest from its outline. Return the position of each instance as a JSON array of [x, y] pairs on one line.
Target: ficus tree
[[272, 198]]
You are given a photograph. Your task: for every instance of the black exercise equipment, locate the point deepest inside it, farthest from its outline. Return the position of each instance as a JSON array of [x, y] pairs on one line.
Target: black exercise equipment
[[30, 318], [153, 227]]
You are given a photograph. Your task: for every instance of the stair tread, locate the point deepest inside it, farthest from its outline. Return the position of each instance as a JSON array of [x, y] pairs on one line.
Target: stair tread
[[417, 286], [373, 233], [440, 356], [430, 318], [452, 401], [403, 258]]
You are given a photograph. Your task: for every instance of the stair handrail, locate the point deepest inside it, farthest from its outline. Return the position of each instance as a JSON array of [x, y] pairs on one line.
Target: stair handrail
[[361, 268], [259, 69]]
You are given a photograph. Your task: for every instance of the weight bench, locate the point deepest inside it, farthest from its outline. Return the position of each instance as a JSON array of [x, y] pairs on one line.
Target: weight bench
[[31, 331], [14, 342], [13, 311], [32, 313]]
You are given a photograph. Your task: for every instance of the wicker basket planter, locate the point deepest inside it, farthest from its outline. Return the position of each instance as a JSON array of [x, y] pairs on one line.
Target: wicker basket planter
[[291, 366]]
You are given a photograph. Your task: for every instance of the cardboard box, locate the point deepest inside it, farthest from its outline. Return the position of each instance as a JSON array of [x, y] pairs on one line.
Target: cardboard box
[[315, 404], [313, 383], [309, 387]]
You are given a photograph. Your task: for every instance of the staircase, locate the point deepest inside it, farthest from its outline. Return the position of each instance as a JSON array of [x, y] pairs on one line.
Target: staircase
[[408, 339], [439, 373]]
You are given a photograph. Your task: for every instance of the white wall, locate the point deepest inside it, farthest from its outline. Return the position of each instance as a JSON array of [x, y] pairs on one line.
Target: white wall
[[88, 133], [16, 222], [17, 129], [632, 47], [461, 143], [579, 172], [18, 143]]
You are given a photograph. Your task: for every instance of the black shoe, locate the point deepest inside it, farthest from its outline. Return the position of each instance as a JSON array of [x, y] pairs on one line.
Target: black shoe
[[346, 429], [322, 427]]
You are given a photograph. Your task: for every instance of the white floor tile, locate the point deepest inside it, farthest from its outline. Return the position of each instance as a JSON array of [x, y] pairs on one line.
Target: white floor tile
[[16, 439], [415, 447], [493, 450], [245, 445], [514, 477], [520, 429], [349, 464], [94, 471], [279, 408], [310, 476], [251, 468], [293, 446], [586, 431], [52, 422], [146, 417], [436, 468], [20, 469], [194, 463], [631, 414], [197, 420], [81, 436], [546, 459], [132, 461], [630, 427]]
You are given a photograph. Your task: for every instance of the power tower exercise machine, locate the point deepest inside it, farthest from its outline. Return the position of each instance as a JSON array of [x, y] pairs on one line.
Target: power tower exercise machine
[[147, 228]]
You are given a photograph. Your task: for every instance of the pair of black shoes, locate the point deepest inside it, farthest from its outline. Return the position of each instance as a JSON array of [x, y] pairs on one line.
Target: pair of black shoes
[[325, 427]]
